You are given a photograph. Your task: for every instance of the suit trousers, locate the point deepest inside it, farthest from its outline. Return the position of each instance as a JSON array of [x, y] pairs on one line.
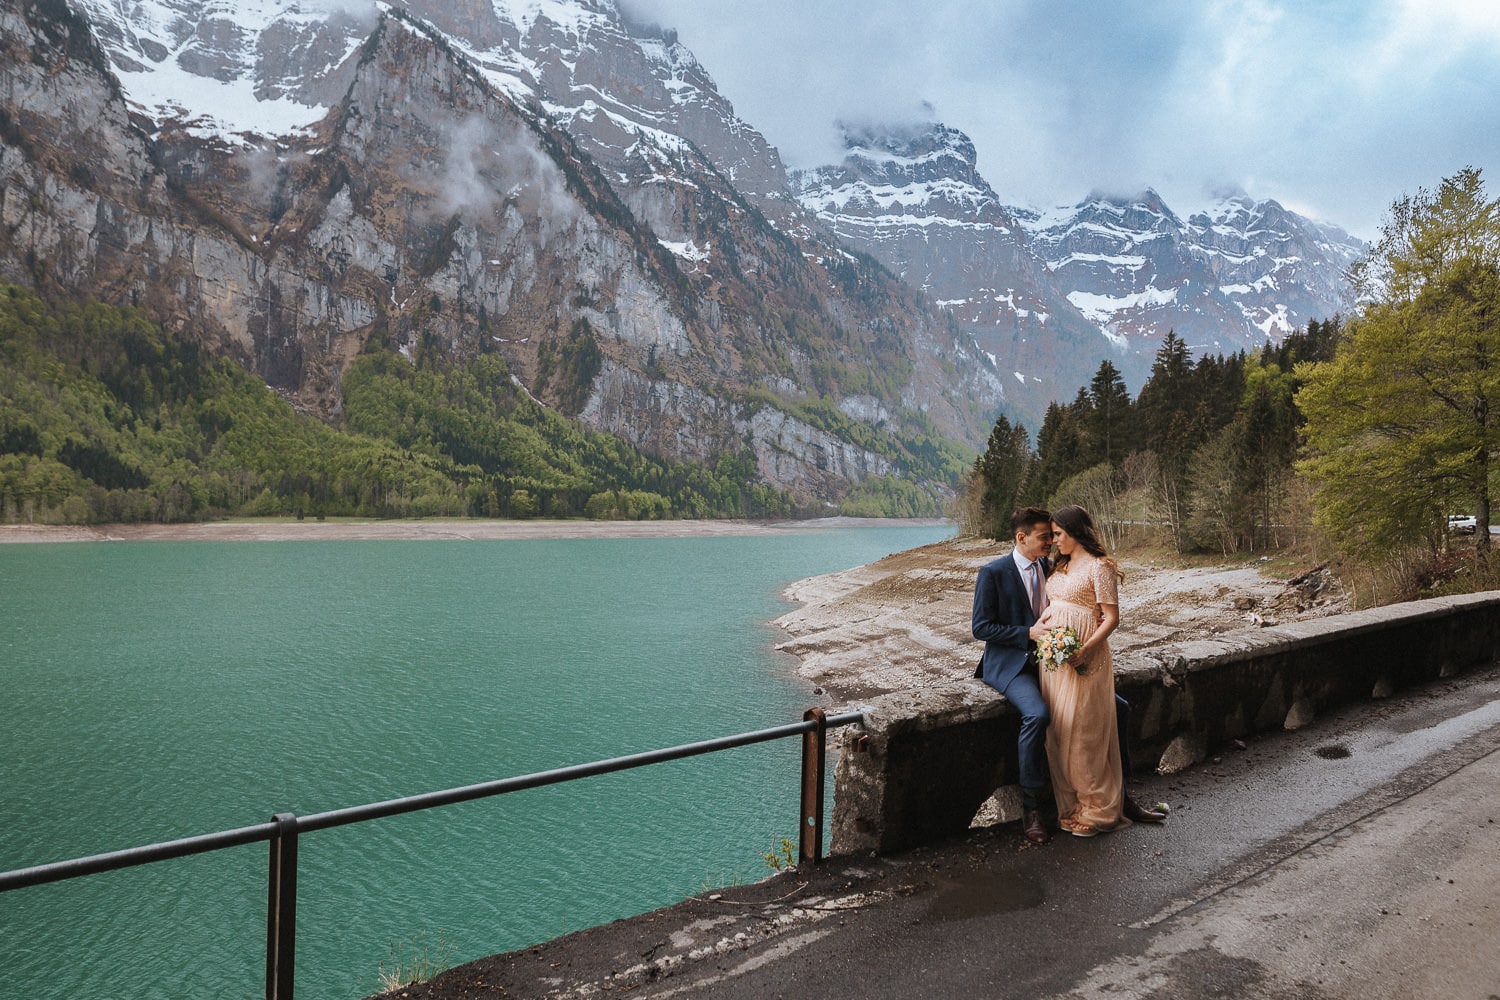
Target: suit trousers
[[1031, 747]]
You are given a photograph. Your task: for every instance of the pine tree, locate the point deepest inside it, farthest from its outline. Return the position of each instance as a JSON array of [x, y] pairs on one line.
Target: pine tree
[[1060, 448], [1171, 418], [1001, 475], [1110, 423], [1168, 408]]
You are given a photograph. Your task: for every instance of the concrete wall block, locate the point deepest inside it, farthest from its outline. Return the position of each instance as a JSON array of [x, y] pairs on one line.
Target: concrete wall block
[[1274, 704], [1201, 654], [1300, 714], [936, 755], [1155, 707], [1183, 752]]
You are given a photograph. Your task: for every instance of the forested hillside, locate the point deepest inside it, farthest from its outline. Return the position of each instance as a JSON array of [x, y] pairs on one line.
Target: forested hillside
[[1204, 453], [104, 416], [1377, 432]]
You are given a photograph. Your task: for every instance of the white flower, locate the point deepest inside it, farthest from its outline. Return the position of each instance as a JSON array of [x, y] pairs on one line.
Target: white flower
[[1057, 647]]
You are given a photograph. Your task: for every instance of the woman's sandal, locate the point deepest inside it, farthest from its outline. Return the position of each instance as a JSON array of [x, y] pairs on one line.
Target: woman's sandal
[[1078, 829]]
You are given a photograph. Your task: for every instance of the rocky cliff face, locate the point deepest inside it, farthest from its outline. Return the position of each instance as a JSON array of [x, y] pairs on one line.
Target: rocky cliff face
[[291, 187]]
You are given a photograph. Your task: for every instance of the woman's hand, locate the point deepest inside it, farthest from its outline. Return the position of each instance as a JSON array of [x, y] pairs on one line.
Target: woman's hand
[[1109, 618]]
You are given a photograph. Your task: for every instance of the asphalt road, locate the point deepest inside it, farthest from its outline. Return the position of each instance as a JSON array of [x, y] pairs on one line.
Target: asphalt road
[[1359, 857]]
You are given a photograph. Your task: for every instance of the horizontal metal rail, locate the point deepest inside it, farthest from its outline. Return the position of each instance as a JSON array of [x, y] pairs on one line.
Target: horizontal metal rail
[[94, 864], [284, 828]]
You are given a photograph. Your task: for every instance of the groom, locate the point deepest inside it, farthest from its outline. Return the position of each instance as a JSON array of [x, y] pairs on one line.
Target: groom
[[1009, 597]]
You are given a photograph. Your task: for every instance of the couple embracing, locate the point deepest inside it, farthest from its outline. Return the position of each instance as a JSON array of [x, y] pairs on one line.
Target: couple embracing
[[1073, 725]]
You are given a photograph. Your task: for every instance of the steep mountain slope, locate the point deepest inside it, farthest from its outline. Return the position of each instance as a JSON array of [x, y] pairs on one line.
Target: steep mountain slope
[[290, 187]]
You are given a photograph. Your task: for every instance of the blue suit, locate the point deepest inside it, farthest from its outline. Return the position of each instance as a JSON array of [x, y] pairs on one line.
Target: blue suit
[[1002, 621]]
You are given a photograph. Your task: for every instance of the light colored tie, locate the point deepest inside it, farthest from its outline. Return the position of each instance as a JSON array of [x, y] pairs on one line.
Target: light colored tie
[[1034, 571]]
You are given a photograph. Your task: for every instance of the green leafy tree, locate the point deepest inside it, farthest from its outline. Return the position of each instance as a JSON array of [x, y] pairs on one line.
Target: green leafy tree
[[1098, 490], [107, 417], [887, 496], [1401, 424], [1219, 510], [1267, 431]]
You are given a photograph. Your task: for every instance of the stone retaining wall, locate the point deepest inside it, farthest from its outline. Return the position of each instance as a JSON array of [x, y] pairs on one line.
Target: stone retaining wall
[[930, 758]]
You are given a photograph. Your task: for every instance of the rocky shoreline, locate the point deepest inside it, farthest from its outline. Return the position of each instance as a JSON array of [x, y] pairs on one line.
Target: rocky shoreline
[[903, 622]]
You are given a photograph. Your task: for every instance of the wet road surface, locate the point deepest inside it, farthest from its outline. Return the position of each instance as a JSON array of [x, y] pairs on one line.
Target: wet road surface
[[1358, 857]]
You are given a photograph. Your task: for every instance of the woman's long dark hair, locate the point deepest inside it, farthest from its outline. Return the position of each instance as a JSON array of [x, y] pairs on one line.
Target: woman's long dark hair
[[1080, 524]]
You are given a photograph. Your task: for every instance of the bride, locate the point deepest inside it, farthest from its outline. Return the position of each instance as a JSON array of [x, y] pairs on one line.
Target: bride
[[1083, 749]]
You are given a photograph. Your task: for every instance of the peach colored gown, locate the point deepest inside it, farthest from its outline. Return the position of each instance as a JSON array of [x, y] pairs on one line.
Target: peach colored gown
[[1083, 750]]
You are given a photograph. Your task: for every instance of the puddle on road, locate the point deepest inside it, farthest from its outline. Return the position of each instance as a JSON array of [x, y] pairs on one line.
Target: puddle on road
[[981, 893], [1333, 752]]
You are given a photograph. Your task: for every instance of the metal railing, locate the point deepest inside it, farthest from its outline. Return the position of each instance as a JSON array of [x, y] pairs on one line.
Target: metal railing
[[284, 828]]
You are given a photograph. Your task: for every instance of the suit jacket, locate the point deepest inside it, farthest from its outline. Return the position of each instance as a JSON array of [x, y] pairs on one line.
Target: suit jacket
[[1002, 620]]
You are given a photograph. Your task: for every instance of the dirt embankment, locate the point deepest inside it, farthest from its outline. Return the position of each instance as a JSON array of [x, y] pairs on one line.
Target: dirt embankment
[[903, 622]]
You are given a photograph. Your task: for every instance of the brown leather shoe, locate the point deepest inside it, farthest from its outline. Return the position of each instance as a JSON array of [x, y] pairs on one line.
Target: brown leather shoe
[[1032, 827], [1137, 813]]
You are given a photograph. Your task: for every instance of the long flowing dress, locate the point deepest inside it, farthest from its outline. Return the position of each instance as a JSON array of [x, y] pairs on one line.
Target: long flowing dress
[[1083, 749]]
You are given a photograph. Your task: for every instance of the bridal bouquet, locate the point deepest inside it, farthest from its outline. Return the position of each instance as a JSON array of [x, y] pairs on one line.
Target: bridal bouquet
[[1057, 647]]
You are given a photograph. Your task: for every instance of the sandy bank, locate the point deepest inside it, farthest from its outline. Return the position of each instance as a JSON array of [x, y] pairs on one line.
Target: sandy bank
[[418, 530], [903, 622]]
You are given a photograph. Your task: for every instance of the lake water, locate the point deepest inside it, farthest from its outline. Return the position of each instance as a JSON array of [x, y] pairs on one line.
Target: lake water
[[157, 690]]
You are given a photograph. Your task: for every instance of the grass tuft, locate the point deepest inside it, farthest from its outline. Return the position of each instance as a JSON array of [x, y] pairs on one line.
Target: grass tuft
[[414, 962]]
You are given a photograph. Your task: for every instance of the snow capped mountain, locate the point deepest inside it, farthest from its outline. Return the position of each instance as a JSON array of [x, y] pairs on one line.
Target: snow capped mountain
[[912, 197], [917, 176], [1227, 278], [234, 72], [1280, 268], [634, 96], [539, 163], [1048, 294]]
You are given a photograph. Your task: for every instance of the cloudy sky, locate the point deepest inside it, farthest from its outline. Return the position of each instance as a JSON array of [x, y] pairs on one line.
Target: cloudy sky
[[1335, 108]]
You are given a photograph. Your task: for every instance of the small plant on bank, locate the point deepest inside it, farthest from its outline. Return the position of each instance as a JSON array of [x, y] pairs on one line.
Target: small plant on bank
[[414, 962], [782, 855], [713, 882]]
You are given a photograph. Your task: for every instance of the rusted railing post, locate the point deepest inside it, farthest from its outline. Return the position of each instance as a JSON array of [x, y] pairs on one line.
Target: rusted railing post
[[281, 909], [814, 755]]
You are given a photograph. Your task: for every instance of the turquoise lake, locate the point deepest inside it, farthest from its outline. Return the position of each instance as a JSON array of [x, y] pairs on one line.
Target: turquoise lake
[[157, 690]]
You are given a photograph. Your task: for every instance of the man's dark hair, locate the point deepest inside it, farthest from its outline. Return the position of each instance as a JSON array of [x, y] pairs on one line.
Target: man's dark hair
[[1026, 518]]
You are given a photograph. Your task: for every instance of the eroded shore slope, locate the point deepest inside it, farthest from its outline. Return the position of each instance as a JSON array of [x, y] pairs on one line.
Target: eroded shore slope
[[903, 622]]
